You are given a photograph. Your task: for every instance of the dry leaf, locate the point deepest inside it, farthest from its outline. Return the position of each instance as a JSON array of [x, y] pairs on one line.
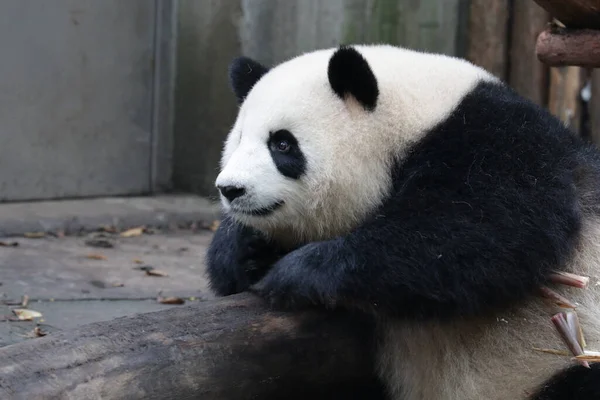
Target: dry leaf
[[8, 244], [24, 301], [138, 261], [215, 225], [34, 235], [26, 315], [93, 256], [117, 284], [108, 228], [170, 300], [133, 232], [154, 272], [37, 331], [100, 243]]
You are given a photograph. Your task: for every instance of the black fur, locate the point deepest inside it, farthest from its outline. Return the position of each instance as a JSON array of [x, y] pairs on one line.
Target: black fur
[[574, 383], [482, 210], [292, 162], [243, 75], [237, 257], [349, 73]]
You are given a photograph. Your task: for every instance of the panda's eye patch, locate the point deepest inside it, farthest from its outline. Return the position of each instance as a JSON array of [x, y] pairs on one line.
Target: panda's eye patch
[[286, 153], [281, 141]]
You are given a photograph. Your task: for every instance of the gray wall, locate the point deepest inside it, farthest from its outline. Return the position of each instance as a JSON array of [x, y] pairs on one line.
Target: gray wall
[[84, 98], [212, 32]]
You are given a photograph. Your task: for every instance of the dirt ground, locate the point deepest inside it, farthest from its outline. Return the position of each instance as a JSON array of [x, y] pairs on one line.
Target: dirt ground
[[75, 280]]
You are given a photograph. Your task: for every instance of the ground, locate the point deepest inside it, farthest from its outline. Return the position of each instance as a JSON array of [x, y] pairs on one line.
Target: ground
[[88, 271]]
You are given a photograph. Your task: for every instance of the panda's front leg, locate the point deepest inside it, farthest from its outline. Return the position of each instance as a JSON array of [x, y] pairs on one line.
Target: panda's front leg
[[312, 275], [237, 257]]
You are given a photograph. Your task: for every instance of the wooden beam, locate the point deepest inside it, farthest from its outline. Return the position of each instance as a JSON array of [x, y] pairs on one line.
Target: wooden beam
[[488, 30], [594, 107], [563, 98], [228, 348], [527, 75], [561, 47], [574, 13]]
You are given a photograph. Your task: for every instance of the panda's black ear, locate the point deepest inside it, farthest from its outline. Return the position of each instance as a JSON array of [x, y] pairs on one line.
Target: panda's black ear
[[350, 74], [244, 72]]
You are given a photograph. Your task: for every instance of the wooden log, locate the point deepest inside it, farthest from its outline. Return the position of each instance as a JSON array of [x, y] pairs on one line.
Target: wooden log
[[574, 13], [527, 75], [594, 107], [488, 30], [228, 348], [563, 99], [561, 47]]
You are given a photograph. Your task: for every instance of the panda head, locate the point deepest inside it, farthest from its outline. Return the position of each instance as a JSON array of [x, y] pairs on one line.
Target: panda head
[[311, 150]]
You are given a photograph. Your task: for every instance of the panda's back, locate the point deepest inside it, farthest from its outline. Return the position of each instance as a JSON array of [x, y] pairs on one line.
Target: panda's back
[[499, 144]]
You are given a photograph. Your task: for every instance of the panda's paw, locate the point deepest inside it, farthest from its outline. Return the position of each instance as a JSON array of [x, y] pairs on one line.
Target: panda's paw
[[296, 282]]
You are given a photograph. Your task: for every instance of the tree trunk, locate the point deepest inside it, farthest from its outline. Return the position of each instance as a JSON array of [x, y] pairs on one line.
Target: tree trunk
[[231, 348]]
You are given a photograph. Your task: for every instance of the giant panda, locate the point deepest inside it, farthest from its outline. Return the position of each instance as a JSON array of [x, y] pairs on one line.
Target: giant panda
[[420, 189]]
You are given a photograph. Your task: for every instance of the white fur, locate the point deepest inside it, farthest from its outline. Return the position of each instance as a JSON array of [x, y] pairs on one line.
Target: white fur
[[349, 152], [343, 143]]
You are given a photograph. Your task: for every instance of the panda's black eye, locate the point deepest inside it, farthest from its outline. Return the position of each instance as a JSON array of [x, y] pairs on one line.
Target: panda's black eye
[[287, 153], [283, 146], [281, 141]]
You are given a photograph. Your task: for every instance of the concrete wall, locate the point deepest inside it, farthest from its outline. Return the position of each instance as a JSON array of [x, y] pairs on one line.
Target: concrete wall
[[80, 98], [212, 32]]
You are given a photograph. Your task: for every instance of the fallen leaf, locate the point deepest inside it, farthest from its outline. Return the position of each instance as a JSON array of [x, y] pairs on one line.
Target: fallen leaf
[[170, 300], [154, 272], [26, 315], [138, 261], [8, 244], [108, 228], [215, 225], [34, 235], [24, 301], [37, 331], [93, 256], [100, 243], [117, 284], [133, 232]]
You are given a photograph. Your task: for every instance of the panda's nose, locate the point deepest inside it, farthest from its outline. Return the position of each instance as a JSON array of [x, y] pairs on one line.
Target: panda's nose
[[231, 192]]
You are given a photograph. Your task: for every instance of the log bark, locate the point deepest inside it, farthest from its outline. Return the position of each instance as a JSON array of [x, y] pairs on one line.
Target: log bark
[[231, 348], [574, 13], [561, 47]]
